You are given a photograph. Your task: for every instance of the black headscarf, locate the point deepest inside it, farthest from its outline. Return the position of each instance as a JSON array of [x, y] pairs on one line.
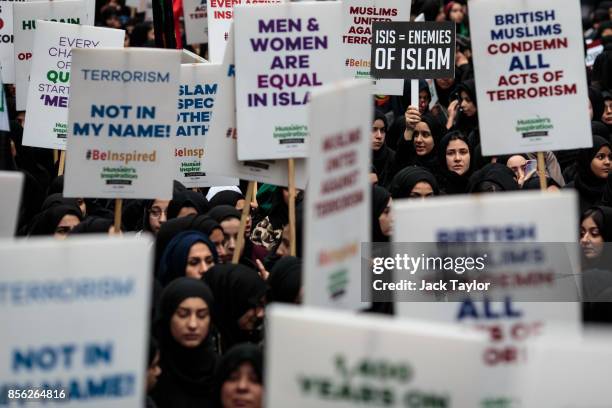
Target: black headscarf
[[237, 289], [58, 199], [285, 280], [175, 226], [223, 212], [187, 378], [404, 181], [174, 259], [380, 199], [589, 186], [187, 198], [92, 225], [47, 223], [451, 182], [493, 177], [406, 153], [226, 197], [232, 360], [383, 158]]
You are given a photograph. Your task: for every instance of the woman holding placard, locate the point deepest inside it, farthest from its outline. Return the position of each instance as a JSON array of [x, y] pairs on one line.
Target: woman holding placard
[[188, 359]]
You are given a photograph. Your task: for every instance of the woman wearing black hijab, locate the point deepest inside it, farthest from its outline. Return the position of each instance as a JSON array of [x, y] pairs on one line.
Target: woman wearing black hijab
[[463, 112], [383, 157], [188, 360], [381, 218], [240, 298], [190, 253], [187, 202], [285, 280], [455, 161], [492, 178], [592, 168], [414, 182], [419, 144], [227, 197], [58, 221], [239, 378]]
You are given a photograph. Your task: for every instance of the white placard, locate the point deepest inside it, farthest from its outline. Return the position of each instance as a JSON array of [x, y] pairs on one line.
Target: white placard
[[366, 361], [120, 123], [218, 147], [529, 67], [196, 21], [55, 309], [24, 25], [504, 217], [220, 18], [7, 49], [357, 18], [547, 384], [338, 194], [49, 89], [11, 185], [285, 51]]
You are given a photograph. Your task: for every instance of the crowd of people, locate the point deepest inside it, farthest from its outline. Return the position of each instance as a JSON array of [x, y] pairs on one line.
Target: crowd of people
[[207, 312]]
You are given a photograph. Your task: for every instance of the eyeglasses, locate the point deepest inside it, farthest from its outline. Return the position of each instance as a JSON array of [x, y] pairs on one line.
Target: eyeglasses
[[156, 212]]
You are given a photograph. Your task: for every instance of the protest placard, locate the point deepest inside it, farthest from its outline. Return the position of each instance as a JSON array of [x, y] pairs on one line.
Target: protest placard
[[529, 68], [338, 194], [547, 383], [7, 49], [357, 19], [11, 185], [49, 89], [218, 148], [86, 304], [24, 24], [220, 18], [417, 50], [366, 361], [285, 51], [196, 21], [120, 123], [508, 218]]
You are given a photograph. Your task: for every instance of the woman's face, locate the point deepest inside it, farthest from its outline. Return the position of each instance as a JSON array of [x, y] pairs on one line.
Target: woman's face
[[467, 105], [217, 238], [591, 240], [386, 220], [424, 100], [422, 190], [458, 157], [199, 260], [607, 115], [230, 226], [423, 140], [190, 322], [66, 224], [517, 164], [252, 318], [242, 389], [378, 134], [600, 165], [456, 13], [158, 214]]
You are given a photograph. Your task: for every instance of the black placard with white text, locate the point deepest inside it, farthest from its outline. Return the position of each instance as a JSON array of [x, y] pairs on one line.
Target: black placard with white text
[[413, 50]]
